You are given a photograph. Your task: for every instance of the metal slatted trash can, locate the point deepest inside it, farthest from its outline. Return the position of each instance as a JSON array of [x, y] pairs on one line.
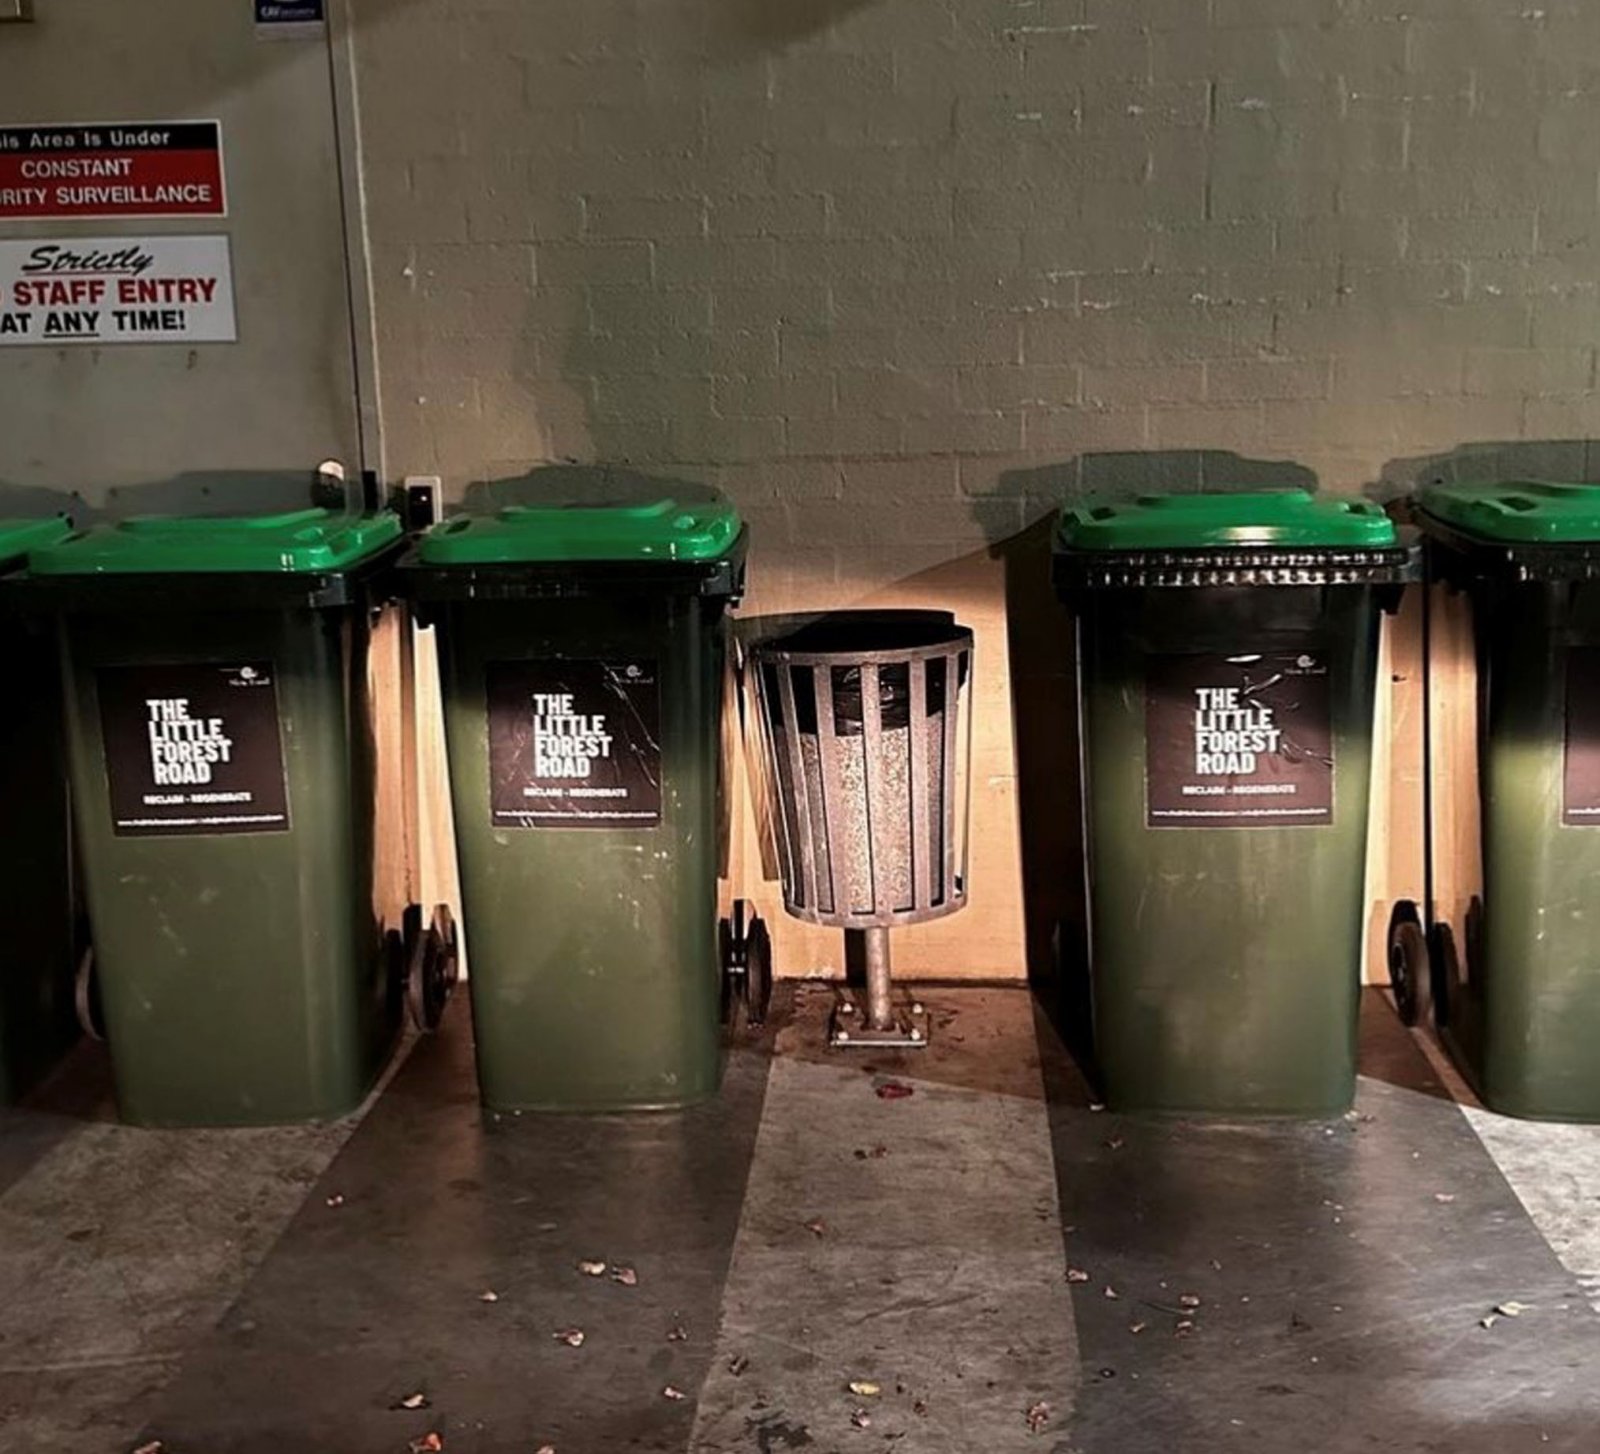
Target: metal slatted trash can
[[37, 1019], [867, 757]]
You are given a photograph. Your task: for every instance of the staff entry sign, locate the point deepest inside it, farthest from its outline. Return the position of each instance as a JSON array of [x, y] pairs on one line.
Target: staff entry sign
[[103, 290]]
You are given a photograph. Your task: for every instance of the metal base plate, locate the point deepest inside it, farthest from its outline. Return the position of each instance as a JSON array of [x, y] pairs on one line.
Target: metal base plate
[[848, 1028]]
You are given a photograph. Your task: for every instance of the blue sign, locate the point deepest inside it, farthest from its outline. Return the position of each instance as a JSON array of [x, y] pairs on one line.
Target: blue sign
[[290, 12]]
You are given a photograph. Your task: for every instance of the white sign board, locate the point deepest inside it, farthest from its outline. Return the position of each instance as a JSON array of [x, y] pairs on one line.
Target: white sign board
[[116, 290]]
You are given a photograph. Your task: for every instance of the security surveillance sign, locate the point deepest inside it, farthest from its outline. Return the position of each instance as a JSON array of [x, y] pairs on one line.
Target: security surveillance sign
[[76, 170], [1238, 741], [103, 290], [575, 744], [193, 749]]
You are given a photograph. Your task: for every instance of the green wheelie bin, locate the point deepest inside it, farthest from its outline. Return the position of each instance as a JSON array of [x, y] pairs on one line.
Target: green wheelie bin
[[222, 753], [1226, 647], [38, 1022], [583, 659], [1507, 953]]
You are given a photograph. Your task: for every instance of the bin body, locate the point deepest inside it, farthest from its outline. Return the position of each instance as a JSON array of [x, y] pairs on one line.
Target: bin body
[[243, 970], [1514, 913], [588, 881], [38, 1022], [1227, 730]]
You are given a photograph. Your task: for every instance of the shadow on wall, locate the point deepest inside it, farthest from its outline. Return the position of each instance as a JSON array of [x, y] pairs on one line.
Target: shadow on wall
[[1573, 461], [581, 485], [211, 492], [31, 502], [1044, 707], [232, 492], [763, 25]]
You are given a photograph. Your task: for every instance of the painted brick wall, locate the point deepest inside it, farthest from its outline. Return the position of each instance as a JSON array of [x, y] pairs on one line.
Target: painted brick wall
[[900, 275]]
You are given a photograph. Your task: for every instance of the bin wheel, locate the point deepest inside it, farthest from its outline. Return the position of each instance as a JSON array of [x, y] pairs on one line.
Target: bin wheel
[[1410, 968], [86, 996], [432, 970], [757, 973], [727, 966]]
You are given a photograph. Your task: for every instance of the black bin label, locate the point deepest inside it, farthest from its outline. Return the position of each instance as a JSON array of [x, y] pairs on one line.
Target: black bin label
[[1580, 777], [193, 749], [1239, 741], [574, 743]]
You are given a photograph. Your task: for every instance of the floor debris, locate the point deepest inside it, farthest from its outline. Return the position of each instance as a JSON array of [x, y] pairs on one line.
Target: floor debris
[[894, 1090], [737, 1364], [488, 1295], [572, 1337], [817, 1227], [592, 1269], [411, 1401], [625, 1275], [336, 1200], [429, 1443], [1077, 1274], [861, 1419], [862, 1388], [678, 1334], [1038, 1416], [677, 1395]]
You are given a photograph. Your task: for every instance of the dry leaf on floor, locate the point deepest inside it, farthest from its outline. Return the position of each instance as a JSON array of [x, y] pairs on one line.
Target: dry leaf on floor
[[675, 1394], [428, 1444], [1514, 1310], [737, 1364], [816, 1226], [861, 1388], [155, 1446], [625, 1275], [1112, 1294], [861, 1419], [336, 1200], [412, 1401], [592, 1269], [1188, 1300], [894, 1090], [572, 1337], [1077, 1274], [1137, 1327], [1184, 1328], [488, 1295], [678, 1334], [1038, 1416]]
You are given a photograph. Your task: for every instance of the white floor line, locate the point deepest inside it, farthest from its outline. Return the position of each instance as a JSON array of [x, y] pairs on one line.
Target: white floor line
[[933, 1271]]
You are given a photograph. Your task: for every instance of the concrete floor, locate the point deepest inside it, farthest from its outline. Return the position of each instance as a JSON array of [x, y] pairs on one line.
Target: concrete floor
[[1264, 1286]]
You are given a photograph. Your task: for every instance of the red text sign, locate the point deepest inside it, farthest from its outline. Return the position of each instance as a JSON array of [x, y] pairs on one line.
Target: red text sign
[[112, 169]]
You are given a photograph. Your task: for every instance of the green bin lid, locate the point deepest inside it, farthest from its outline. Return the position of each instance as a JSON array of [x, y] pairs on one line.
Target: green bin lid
[[1518, 511], [293, 543], [1269, 519], [656, 530], [18, 537]]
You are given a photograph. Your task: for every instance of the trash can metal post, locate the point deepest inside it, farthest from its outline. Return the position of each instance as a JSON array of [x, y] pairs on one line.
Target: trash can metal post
[[874, 789]]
